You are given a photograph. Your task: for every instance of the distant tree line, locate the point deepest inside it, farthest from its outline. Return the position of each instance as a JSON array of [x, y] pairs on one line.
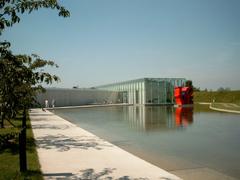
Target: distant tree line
[[221, 89]]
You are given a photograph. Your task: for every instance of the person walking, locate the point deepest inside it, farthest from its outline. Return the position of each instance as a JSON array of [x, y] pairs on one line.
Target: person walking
[[46, 104], [53, 103]]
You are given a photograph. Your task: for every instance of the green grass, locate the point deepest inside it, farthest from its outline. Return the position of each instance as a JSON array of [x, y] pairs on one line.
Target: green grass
[[9, 155], [201, 108], [220, 97]]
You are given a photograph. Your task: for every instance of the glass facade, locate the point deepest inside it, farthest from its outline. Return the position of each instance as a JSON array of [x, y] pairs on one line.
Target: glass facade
[[146, 90]]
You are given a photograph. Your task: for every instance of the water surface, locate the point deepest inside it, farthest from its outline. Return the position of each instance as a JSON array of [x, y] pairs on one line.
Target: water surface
[[171, 138]]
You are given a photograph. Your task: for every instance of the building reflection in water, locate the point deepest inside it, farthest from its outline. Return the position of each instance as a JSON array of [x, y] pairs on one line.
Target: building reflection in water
[[158, 118]]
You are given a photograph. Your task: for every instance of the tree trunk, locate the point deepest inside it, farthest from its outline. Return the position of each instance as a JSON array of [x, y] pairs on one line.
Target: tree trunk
[[2, 119], [22, 144]]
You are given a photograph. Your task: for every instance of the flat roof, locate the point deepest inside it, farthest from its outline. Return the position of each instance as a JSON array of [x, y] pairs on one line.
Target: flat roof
[[139, 80]]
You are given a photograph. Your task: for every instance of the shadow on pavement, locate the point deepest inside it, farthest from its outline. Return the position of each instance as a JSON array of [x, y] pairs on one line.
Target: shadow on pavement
[[90, 174], [49, 126], [65, 143]]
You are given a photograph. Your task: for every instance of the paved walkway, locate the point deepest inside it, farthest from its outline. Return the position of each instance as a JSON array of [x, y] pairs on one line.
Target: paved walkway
[[69, 152], [225, 107]]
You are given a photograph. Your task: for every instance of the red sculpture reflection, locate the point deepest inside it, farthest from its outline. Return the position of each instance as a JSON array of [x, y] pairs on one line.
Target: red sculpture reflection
[[183, 116]]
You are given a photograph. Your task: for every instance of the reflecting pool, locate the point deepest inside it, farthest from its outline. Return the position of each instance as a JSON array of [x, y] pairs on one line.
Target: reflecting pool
[[171, 138]]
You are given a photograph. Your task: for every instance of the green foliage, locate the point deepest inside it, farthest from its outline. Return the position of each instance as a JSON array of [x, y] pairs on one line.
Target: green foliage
[[196, 89], [217, 96], [221, 89], [20, 79], [201, 108], [10, 10], [6, 135], [189, 83]]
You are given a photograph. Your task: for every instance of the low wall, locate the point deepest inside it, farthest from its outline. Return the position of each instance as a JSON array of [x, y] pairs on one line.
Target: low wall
[[76, 97]]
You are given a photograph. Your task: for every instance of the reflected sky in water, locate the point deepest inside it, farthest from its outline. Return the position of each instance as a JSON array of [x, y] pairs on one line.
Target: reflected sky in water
[[172, 138]]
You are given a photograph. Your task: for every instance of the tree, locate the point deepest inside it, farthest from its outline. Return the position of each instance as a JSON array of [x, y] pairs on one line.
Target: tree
[[20, 80], [189, 83], [221, 89], [20, 77], [10, 64], [196, 89], [10, 10]]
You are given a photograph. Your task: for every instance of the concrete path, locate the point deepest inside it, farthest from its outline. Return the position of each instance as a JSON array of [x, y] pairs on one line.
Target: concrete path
[[228, 107], [69, 152]]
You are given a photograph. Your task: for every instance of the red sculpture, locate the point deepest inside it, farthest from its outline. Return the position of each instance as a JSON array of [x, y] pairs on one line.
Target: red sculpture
[[183, 95]]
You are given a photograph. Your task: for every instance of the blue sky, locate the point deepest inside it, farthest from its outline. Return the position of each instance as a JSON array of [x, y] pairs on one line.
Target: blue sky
[[106, 41]]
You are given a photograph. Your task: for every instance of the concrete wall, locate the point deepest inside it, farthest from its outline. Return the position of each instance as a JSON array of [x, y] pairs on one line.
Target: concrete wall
[[76, 97]]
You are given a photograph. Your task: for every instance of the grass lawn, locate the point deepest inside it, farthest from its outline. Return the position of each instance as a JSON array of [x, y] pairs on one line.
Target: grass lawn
[[219, 97], [9, 155]]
